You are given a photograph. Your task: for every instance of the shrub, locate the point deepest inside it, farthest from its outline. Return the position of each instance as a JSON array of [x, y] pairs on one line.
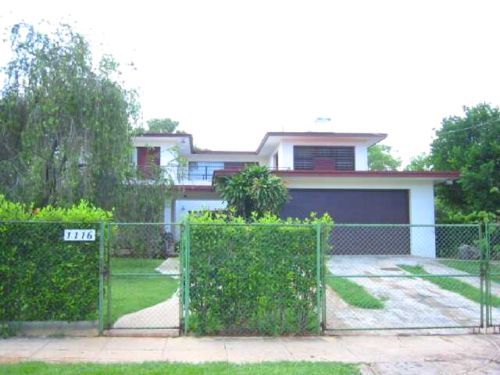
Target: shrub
[[258, 278], [43, 277], [253, 191]]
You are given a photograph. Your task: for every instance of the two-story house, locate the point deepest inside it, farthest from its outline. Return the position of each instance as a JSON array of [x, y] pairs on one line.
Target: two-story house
[[324, 172]]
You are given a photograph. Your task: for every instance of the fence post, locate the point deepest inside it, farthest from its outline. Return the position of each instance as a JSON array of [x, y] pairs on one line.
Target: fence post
[[108, 275], [186, 254], [101, 277], [489, 318], [318, 275]]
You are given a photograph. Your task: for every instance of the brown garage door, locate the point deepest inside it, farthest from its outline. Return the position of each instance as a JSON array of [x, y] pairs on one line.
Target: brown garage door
[[358, 207]]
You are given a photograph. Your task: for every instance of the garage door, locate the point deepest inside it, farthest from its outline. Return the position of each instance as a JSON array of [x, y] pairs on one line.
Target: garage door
[[358, 207]]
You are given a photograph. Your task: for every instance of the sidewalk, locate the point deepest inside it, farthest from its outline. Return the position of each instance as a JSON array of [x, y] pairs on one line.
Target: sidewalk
[[378, 354]]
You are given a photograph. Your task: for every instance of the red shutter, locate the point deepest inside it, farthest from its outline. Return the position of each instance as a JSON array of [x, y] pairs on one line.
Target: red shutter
[[147, 156]]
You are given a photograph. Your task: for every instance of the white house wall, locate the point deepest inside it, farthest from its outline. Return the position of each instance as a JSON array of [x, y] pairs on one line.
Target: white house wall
[[361, 158], [285, 155], [421, 201], [226, 157], [184, 206]]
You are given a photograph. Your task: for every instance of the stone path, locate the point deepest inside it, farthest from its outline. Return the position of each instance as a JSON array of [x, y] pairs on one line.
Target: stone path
[[169, 267], [162, 315], [455, 354], [409, 302]]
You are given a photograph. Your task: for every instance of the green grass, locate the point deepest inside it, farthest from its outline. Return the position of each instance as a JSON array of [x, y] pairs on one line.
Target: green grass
[[472, 267], [353, 294], [452, 284], [134, 293], [134, 265], [270, 368]]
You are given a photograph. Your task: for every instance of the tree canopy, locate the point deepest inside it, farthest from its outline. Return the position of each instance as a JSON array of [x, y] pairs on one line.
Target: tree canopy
[[380, 159], [420, 162], [64, 123], [253, 191], [158, 125], [164, 125], [470, 144]]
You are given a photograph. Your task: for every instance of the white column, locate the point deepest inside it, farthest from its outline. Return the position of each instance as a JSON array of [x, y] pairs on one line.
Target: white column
[[423, 239]]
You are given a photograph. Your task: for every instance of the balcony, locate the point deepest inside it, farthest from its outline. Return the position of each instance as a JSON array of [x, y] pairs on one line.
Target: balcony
[[195, 173]]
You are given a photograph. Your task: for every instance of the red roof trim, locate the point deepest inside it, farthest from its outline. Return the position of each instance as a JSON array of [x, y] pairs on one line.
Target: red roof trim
[[383, 174]]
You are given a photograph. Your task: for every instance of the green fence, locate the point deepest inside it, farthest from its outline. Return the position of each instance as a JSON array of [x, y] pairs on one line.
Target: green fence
[[143, 278], [402, 277], [492, 268], [251, 278]]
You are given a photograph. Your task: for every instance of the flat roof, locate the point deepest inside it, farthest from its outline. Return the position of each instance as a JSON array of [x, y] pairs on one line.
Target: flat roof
[[376, 137]]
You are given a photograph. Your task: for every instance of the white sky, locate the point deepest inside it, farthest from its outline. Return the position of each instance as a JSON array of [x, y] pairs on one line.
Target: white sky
[[229, 71]]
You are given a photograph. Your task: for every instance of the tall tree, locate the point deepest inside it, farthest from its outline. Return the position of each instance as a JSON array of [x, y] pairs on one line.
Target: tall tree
[[164, 125], [380, 159], [64, 123], [420, 162], [470, 144]]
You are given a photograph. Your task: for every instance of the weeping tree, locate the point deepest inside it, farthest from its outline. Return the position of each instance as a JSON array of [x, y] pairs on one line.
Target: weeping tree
[[66, 125]]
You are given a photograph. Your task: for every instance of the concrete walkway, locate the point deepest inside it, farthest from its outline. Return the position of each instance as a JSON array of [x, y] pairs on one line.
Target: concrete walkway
[[409, 301], [161, 315], [472, 354]]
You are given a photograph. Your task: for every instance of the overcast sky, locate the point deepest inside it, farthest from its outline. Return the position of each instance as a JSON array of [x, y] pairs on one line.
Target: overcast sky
[[229, 71]]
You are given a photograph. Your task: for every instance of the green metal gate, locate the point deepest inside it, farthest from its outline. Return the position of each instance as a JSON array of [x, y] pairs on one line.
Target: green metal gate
[[217, 259], [492, 269], [436, 277], [142, 276]]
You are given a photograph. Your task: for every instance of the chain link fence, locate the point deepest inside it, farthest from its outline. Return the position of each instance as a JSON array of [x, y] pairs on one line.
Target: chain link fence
[[251, 279], [493, 280], [385, 277], [143, 281]]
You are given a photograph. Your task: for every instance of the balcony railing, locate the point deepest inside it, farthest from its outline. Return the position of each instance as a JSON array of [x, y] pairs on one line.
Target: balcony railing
[[197, 173]]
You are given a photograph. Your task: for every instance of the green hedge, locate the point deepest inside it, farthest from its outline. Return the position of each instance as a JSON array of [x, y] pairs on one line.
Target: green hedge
[[43, 277], [253, 279]]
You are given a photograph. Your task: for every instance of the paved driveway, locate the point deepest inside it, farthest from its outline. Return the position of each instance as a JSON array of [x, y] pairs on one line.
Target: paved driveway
[[409, 302]]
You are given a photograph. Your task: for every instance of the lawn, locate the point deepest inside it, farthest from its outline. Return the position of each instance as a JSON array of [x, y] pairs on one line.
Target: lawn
[[133, 293], [271, 368], [472, 267], [353, 293], [452, 284]]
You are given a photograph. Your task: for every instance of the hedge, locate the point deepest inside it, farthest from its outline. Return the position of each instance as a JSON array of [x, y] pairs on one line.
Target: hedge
[[258, 278], [42, 277]]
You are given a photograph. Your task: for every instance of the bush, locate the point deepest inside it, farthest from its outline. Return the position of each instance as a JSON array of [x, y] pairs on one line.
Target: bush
[[43, 277], [253, 191], [258, 278]]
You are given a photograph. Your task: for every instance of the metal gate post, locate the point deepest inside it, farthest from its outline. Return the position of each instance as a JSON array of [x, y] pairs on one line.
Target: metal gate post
[[108, 275], [101, 278], [489, 312], [319, 278], [185, 274]]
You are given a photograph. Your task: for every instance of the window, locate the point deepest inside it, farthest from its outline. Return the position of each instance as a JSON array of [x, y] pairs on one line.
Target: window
[[324, 158], [147, 159]]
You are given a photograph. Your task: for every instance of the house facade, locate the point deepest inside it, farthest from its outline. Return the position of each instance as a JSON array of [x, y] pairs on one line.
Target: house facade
[[324, 172]]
